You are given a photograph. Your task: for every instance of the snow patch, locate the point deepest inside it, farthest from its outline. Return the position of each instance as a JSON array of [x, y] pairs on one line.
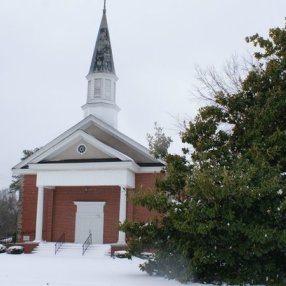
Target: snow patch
[[46, 268]]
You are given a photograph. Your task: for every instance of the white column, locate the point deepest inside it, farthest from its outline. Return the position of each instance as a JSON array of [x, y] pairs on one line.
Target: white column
[[122, 214], [39, 220]]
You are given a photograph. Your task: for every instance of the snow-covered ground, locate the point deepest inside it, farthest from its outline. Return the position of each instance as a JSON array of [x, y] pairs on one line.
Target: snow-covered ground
[[70, 268]]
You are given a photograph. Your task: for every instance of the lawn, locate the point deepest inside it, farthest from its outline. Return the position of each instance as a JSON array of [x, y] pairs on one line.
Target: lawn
[[70, 269]]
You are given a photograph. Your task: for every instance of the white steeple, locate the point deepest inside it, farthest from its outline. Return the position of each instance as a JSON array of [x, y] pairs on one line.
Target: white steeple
[[101, 92]]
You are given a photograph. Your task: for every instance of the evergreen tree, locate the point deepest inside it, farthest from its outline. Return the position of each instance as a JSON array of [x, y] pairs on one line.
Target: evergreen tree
[[159, 143], [223, 213], [15, 186], [8, 214]]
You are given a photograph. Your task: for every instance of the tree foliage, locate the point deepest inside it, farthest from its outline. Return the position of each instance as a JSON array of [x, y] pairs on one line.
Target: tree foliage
[[159, 143], [223, 214], [8, 214], [15, 185]]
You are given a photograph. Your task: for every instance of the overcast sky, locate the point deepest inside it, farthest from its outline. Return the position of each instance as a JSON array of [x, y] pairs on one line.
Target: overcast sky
[[47, 45]]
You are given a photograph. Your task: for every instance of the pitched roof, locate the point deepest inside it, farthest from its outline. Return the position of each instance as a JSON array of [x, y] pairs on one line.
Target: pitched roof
[[103, 136], [102, 60]]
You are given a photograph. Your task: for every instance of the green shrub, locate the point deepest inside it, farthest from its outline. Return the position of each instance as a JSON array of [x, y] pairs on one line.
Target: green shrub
[[15, 250], [2, 248]]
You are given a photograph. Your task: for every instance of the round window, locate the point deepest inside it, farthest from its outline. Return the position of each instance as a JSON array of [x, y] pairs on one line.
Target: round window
[[81, 149]]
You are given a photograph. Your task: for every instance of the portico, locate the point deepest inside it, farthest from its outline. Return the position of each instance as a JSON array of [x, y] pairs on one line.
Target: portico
[[50, 176]]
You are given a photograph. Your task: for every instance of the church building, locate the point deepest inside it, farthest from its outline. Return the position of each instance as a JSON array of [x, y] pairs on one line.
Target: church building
[[80, 182]]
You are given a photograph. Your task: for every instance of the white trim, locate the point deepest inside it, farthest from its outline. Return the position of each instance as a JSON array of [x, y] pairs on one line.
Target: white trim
[[102, 75], [18, 172], [86, 122], [150, 169], [86, 178], [122, 214], [85, 166], [34, 168], [79, 134], [100, 102], [39, 217]]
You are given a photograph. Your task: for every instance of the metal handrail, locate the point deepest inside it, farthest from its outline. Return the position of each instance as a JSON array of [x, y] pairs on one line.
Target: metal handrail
[[60, 242], [87, 243]]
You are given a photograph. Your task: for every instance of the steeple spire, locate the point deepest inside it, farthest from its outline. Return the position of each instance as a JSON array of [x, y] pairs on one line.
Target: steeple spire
[[102, 60], [104, 8], [101, 91]]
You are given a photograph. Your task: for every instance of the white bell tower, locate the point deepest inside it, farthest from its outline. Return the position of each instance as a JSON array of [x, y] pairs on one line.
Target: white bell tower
[[101, 91]]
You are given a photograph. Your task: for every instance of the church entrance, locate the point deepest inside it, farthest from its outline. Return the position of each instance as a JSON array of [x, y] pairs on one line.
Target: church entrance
[[89, 219]]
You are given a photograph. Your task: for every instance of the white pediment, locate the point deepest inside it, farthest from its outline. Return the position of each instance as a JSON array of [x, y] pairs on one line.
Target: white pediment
[[71, 152], [67, 150], [102, 142]]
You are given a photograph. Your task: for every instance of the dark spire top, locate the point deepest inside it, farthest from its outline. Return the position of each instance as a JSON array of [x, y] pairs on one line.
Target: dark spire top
[[102, 60], [104, 8]]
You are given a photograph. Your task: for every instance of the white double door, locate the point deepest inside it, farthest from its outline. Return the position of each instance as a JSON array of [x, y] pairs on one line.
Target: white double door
[[89, 219]]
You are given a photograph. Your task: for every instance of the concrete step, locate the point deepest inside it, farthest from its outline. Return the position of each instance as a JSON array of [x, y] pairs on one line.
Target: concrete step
[[73, 249]]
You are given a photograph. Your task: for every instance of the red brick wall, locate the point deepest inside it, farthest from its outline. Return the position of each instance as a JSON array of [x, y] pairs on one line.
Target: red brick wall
[[48, 214], [29, 206], [64, 210], [136, 213], [60, 211]]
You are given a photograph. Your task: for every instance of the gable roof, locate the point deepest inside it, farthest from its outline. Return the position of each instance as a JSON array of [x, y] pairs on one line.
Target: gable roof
[[103, 137]]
